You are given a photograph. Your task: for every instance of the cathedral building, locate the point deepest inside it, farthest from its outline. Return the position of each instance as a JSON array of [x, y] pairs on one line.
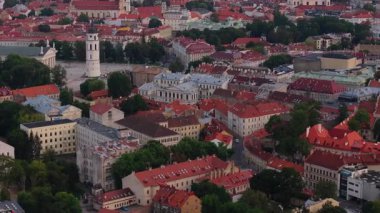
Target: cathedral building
[[100, 9]]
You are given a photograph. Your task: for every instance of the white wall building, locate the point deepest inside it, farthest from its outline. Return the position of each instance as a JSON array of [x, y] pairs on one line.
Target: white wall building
[[295, 3], [57, 135], [244, 119], [364, 186], [7, 150], [88, 135], [188, 50], [105, 114], [187, 88], [103, 156]]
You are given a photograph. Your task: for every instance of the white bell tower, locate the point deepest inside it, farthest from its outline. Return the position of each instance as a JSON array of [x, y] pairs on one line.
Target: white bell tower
[[92, 53]]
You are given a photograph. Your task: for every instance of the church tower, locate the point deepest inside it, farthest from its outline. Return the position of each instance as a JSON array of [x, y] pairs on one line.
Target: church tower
[[125, 5], [92, 53]]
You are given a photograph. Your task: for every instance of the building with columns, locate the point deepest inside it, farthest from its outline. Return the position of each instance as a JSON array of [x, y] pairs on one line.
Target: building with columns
[[45, 55], [187, 88], [92, 53]]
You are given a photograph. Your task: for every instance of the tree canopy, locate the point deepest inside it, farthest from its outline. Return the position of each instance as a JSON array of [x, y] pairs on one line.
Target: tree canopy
[[359, 121], [83, 18], [154, 22], [133, 105], [325, 189], [141, 53], [281, 186], [91, 85], [277, 60], [45, 28], [59, 75], [47, 11], [20, 72], [176, 66], [119, 85]]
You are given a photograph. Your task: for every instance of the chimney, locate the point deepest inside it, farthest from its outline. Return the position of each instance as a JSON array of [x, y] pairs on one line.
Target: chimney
[[307, 131]]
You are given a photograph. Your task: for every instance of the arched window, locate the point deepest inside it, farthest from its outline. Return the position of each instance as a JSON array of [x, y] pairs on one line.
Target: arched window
[[95, 47], [90, 46]]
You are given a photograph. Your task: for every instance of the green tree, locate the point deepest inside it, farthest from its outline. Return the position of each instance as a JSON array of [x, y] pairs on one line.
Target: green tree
[[66, 202], [211, 203], [369, 7], [47, 11], [59, 75], [176, 66], [154, 22], [10, 3], [343, 113], [109, 51], [119, 85], [206, 188], [277, 60], [66, 96], [65, 52], [91, 85], [80, 50], [376, 130], [5, 194], [255, 199], [281, 186], [134, 104], [119, 53], [44, 28], [19, 140], [83, 18], [214, 18], [372, 206], [21, 72], [84, 107], [151, 155], [359, 121], [65, 21], [325, 189]]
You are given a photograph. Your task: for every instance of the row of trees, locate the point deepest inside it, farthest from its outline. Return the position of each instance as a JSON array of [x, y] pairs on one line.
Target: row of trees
[[139, 53], [282, 30], [215, 37], [287, 132], [47, 185], [154, 154]]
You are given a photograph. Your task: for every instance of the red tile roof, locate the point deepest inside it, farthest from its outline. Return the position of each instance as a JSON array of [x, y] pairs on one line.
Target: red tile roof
[[349, 141], [95, 5], [316, 85], [234, 180], [336, 161], [179, 108], [178, 171], [195, 46], [223, 137], [101, 108], [145, 12], [244, 41], [170, 196], [102, 210], [183, 121], [258, 109], [30, 92], [114, 195], [279, 164], [98, 94]]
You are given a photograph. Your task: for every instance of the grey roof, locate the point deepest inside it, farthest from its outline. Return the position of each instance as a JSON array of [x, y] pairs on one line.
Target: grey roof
[[23, 51], [371, 177], [47, 123], [146, 127], [11, 205], [109, 132]]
